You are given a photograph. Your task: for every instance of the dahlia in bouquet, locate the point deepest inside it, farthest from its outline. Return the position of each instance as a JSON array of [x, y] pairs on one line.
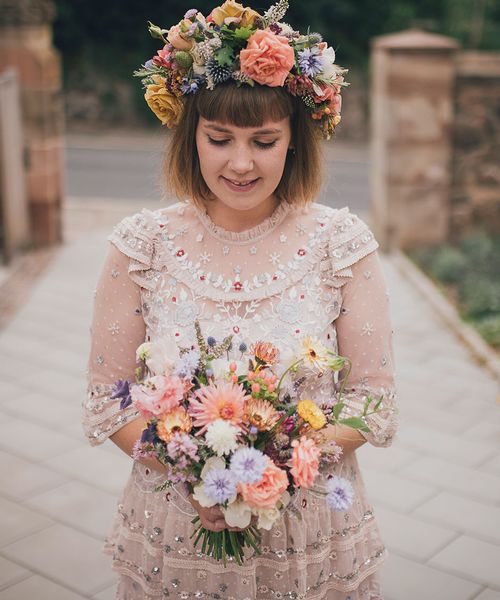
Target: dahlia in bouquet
[[225, 430]]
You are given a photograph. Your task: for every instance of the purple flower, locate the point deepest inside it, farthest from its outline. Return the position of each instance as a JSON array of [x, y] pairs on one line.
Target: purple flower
[[148, 434], [192, 12], [248, 465], [219, 485], [310, 62], [149, 64], [182, 446], [122, 390], [340, 493]]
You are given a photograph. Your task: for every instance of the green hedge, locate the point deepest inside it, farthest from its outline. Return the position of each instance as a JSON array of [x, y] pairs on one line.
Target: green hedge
[[469, 272]]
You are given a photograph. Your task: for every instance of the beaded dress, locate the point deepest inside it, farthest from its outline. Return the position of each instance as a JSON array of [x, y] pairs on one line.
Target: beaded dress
[[302, 271]]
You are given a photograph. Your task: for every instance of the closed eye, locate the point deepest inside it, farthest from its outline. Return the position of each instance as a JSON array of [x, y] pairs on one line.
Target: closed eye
[[263, 145]]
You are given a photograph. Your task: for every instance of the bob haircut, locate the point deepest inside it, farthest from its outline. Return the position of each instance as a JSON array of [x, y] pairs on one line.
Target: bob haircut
[[245, 106]]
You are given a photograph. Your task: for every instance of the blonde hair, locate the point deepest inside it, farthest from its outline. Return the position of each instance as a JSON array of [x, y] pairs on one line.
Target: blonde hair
[[245, 106]]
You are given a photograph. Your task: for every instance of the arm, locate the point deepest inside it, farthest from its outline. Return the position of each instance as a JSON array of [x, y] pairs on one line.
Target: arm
[[364, 334], [117, 330]]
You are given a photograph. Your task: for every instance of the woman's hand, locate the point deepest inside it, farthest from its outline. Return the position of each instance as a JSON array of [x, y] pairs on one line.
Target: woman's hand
[[211, 518]]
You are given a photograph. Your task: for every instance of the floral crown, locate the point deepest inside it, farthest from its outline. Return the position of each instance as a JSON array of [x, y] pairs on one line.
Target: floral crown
[[237, 43]]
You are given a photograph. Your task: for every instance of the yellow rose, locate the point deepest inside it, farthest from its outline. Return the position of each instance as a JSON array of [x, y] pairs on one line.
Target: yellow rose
[[231, 11], [311, 413], [166, 106]]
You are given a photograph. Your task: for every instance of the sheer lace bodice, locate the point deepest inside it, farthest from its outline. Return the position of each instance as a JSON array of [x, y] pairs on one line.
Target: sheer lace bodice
[[312, 271]]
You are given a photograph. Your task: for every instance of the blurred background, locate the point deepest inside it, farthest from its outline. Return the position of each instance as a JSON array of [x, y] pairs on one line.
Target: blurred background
[[417, 155]]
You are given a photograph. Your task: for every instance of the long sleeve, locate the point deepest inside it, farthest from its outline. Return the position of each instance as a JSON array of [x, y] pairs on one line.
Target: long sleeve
[[116, 332], [364, 334]]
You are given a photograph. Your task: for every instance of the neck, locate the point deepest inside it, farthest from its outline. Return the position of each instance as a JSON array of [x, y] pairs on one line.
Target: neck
[[240, 220]]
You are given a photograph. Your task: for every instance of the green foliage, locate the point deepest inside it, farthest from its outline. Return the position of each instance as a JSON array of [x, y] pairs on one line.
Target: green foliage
[[448, 264], [471, 269]]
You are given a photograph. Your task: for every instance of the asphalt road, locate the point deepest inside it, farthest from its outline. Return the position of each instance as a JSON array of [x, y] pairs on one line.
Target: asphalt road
[[127, 167]]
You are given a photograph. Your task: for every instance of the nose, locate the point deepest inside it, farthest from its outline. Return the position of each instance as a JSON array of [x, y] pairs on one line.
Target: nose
[[241, 160]]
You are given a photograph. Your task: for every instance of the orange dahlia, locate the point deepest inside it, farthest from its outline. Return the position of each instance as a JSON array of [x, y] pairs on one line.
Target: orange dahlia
[[173, 422], [266, 352], [261, 414], [221, 400]]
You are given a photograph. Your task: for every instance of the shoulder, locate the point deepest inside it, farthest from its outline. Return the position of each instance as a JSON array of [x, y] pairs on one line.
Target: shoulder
[[347, 238]]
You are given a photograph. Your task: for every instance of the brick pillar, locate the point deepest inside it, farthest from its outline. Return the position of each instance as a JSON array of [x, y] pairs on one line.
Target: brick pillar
[[412, 104], [26, 45]]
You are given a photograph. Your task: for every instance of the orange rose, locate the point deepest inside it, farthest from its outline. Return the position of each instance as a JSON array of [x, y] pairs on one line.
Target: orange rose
[[267, 59], [304, 462], [268, 491]]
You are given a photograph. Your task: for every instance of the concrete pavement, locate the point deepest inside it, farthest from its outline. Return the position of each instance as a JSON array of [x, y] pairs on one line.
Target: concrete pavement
[[436, 491]]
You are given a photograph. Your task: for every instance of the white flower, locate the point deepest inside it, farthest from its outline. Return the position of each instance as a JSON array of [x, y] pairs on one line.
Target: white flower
[[143, 351], [330, 70], [221, 437], [266, 517], [220, 367], [238, 514], [162, 356]]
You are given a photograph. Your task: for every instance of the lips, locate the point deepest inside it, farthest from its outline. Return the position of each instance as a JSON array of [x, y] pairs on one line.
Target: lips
[[241, 183], [236, 185]]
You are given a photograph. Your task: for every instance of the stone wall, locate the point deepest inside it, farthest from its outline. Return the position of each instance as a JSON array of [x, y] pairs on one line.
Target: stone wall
[[475, 196]]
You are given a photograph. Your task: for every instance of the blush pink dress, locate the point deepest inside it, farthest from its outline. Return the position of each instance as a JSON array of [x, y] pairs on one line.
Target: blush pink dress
[[302, 271]]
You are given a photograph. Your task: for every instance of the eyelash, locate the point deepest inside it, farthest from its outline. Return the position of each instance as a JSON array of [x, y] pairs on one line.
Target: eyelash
[[262, 145]]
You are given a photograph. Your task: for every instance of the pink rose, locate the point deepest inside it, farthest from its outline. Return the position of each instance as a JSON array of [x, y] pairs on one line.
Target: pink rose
[[157, 396], [178, 41], [268, 491], [267, 59], [304, 462]]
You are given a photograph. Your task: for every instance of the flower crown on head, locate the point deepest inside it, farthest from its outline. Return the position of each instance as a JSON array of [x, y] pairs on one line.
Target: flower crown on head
[[237, 43]]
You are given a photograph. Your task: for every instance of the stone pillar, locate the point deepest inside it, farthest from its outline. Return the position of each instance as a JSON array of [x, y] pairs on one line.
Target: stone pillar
[[412, 105], [26, 45]]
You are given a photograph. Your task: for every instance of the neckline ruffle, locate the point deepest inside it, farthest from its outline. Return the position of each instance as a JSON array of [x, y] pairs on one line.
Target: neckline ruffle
[[247, 235]]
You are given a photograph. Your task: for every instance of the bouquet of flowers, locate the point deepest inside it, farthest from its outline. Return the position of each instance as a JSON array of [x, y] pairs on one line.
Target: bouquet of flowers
[[223, 428]]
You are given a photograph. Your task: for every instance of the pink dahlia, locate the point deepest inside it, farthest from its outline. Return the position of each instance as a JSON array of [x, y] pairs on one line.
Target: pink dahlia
[[158, 395], [221, 400]]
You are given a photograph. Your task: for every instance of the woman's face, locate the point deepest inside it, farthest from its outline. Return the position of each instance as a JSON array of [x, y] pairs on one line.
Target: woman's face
[[242, 166]]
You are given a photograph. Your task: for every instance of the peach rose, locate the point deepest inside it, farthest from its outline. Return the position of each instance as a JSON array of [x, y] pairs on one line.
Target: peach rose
[[268, 491], [267, 59], [304, 462], [178, 40], [166, 106], [157, 396]]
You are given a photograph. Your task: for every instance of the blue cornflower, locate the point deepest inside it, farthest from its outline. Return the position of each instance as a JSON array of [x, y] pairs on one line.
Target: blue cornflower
[[190, 86], [248, 465], [219, 485], [310, 61], [340, 493]]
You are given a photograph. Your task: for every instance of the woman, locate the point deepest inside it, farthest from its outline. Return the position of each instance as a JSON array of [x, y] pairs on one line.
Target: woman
[[248, 253]]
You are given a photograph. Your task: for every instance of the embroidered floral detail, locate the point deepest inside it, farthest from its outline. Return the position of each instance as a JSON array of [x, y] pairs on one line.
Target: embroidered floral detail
[[99, 359], [300, 229], [199, 237], [238, 286], [114, 328], [301, 252], [237, 269], [205, 257], [283, 238], [115, 273], [367, 274], [274, 258], [225, 250], [367, 329], [253, 250], [180, 253]]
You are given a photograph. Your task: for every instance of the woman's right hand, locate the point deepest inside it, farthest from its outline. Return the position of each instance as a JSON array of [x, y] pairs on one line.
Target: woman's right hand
[[211, 518]]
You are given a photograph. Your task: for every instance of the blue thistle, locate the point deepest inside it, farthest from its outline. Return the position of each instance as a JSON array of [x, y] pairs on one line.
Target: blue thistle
[[218, 73]]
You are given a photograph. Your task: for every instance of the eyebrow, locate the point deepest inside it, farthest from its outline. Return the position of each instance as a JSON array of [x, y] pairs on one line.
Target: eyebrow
[[224, 130]]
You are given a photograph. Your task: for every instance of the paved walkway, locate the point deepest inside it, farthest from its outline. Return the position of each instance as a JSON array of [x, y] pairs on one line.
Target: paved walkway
[[436, 490]]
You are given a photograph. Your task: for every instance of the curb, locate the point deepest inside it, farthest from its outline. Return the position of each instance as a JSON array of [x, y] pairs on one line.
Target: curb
[[480, 350]]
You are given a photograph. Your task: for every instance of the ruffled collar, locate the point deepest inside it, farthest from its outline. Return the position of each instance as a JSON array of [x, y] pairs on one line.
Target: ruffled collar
[[253, 234]]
